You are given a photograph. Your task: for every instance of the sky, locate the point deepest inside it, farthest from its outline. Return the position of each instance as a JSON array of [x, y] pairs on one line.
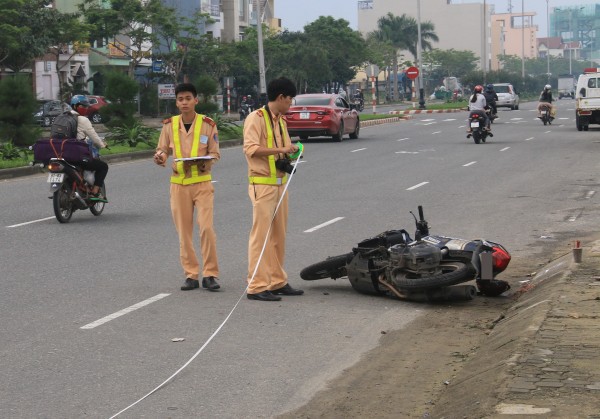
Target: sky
[[295, 14]]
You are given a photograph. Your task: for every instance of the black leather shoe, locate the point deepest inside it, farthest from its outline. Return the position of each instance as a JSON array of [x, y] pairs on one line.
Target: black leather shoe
[[210, 283], [263, 296], [190, 284], [287, 290]]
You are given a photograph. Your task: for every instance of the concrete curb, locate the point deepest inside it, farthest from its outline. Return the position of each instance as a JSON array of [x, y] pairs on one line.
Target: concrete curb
[[541, 355]]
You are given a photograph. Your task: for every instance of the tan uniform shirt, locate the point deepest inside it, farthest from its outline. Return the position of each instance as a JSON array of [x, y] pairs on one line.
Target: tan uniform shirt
[[255, 135], [208, 145]]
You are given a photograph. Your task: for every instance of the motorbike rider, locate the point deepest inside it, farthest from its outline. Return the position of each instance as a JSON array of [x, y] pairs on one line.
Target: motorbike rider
[[343, 93], [85, 130], [250, 103], [359, 97], [478, 103], [491, 97], [546, 100]]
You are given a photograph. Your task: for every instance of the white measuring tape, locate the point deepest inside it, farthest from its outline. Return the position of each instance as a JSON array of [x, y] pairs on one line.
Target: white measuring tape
[[234, 307]]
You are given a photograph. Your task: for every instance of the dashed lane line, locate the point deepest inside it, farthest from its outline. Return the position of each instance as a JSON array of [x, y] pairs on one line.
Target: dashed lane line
[[436, 132], [530, 138], [505, 148], [325, 224], [120, 313], [418, 185], [469, 164], [29, 222], [358, 149]]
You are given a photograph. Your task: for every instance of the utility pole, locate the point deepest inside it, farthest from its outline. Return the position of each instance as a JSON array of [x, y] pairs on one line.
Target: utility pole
[[262, 84], [419, 66]]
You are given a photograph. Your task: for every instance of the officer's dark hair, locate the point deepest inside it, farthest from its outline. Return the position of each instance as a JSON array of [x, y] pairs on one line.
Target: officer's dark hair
[[280, 86], [186, 87]]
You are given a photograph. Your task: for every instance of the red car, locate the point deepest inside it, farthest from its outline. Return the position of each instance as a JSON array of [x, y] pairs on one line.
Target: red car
[[93, 111], [322, 114]]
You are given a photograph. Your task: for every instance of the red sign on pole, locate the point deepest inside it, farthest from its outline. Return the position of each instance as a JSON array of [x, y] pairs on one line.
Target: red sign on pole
[[412, 73]]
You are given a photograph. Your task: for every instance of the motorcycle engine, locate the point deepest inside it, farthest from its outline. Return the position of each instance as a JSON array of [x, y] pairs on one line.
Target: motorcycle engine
[[419, 258]]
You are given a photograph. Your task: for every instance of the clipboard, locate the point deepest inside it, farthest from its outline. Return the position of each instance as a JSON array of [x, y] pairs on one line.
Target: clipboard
[[194, 158]]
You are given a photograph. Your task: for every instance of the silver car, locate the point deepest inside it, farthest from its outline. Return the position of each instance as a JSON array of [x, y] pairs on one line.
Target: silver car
[[507, 96]]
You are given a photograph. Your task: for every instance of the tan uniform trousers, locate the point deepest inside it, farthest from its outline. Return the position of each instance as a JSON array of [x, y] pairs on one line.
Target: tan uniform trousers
[[183, 200], [269, 274]]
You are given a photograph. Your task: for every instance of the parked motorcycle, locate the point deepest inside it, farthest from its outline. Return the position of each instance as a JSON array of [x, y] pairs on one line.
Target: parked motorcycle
[[546, 117], [478, 127], [424, 269]]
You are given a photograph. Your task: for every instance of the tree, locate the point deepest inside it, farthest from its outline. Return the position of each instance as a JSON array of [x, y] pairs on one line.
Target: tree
[[402, 33], [344, 48], [127, 25], [29, 25], [17, 104], [69, 36], [11, 33], [121, 92]]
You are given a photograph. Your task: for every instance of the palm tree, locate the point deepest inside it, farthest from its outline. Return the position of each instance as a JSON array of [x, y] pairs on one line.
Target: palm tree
[[401, 32]]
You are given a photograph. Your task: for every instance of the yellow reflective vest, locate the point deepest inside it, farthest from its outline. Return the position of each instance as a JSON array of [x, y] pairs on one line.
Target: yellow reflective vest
[[272, 179], [195, 177]]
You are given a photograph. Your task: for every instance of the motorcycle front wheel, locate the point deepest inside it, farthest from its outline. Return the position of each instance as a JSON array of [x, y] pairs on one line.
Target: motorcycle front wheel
[[63, 207], [453, 272], [333, 267], [98, 207]]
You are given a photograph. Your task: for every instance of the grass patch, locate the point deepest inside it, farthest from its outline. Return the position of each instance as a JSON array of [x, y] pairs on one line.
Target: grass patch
[[370, 116]]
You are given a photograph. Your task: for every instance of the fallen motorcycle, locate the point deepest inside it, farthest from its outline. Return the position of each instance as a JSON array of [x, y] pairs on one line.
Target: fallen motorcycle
[[427, 268]]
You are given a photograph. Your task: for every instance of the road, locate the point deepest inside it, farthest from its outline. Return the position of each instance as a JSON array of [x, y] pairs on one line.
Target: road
[[529, 187]]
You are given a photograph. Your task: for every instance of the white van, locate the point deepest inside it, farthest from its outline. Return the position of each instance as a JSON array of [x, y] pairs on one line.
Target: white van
[[587, 99]]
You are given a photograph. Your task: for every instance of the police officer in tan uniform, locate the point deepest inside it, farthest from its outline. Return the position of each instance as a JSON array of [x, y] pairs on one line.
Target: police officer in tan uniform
[[194, 138], [266, 140]]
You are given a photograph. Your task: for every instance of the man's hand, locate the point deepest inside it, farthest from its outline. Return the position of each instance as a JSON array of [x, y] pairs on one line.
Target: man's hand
[[160, 158], [291, 149]]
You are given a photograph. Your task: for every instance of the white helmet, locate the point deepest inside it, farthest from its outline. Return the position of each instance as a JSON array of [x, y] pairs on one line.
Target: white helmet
[[547, 87]]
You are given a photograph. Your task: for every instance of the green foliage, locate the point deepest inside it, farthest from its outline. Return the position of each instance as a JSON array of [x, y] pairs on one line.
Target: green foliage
[[224, 125], [8, 151], [449, 62], [17, 106], [207, 108], [149, 100], [121, 91], [27, 26], [132, 135]]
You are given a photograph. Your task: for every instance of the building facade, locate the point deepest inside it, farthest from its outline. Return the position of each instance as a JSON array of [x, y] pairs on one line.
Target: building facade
[[513, 34]]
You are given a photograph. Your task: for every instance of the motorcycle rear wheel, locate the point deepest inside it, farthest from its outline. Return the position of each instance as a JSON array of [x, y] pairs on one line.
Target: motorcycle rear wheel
[[333, 267], [61, 201], [477, 136], [98, 207], [453, 272]]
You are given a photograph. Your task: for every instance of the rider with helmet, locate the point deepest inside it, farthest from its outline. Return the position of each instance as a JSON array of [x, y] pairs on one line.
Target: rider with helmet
[[491, 97], [546, 100], [478, 103], [85, 130]]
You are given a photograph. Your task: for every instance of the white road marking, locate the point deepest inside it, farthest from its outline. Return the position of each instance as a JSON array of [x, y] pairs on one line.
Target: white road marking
[[407, 152], [462, 126], [429, 123], [358, 149], [325, 224], [427, 120], [589, 194], [127, 310], [469, 164], [30, 222], [505, 148], [564, 118], [412, 188], [515, 119], [450, 119], [402, 139], [530, 138], [547, 132], [436, 132], [573, 217]]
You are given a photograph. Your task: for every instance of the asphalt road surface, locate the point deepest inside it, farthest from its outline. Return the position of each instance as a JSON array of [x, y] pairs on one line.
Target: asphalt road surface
[[88, 310]]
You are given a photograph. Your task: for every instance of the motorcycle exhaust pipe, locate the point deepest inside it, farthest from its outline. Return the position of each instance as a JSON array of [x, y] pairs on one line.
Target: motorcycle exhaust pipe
[[80, 202], [454, 293]]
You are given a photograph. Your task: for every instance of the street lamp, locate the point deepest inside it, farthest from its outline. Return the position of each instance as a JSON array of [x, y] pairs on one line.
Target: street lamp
[[420, 76], [262, 84]]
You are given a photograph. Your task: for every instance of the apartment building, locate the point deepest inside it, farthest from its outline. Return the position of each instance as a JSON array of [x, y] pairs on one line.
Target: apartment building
[[513, 34]]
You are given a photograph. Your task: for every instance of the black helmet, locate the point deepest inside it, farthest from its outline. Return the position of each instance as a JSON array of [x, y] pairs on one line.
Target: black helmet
[[490, 87], [493, 287]]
